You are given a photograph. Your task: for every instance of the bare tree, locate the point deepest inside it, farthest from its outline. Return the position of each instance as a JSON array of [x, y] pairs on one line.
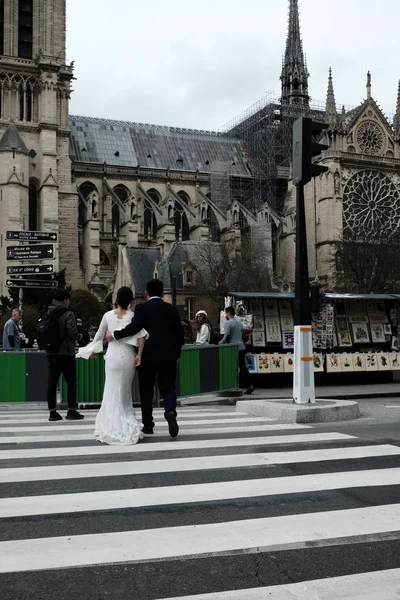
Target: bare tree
[[367, 262]]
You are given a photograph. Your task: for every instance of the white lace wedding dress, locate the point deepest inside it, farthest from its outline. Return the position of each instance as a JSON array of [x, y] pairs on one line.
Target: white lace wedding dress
[[116, 423]]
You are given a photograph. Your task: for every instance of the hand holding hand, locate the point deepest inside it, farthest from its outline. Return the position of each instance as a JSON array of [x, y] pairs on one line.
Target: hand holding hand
[[93, 355], [109, 336], [138, 361]]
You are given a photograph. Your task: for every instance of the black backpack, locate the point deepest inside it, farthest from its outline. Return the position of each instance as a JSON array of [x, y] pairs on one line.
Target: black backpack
[[49, 336]]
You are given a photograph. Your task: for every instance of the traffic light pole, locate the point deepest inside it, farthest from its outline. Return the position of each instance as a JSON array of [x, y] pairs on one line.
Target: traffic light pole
[[303, 378]]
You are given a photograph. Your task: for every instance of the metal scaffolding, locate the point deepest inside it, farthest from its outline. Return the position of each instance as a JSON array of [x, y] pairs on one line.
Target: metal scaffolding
[[266, 129]]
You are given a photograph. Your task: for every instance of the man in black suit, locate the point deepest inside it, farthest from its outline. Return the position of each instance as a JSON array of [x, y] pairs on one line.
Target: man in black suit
[[160, 356]]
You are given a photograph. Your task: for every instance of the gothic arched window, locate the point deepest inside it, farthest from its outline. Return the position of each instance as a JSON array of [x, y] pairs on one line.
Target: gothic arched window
[[371, 202], [33, 207], [180, 218]]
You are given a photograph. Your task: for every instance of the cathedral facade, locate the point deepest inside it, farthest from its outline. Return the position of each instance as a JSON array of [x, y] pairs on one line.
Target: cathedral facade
[[130, 201]]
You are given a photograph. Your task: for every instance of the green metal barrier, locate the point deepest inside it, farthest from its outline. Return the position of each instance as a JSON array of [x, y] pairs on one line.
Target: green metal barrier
[[91, 377], [12, 377]]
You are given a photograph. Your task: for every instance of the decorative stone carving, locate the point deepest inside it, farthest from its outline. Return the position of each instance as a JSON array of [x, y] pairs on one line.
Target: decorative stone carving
[[370, 138], [371, 201]]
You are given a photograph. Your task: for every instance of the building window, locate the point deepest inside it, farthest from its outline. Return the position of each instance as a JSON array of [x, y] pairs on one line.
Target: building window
[[1, 27], [190, 308], [189, 277], [115, 219], [33, 207], [25, 29]]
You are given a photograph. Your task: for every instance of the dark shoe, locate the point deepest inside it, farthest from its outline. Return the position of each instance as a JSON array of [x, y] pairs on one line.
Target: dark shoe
[[148, 430], [73, 415], [172, 424], [249, 391], [55, 416]]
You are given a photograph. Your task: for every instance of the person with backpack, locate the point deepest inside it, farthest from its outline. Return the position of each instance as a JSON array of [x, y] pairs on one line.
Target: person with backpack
[[57, 334]]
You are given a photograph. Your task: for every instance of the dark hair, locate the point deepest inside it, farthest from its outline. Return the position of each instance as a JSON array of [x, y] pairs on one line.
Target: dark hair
[[230, 310], [202, 319], [124, 297], [62, 295], [155, 287]]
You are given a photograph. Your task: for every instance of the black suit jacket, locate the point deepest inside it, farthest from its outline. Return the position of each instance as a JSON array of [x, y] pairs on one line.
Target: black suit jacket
[[162, 322]]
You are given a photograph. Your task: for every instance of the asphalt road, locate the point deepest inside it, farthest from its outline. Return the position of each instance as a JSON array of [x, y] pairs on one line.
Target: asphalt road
[[206, 514]]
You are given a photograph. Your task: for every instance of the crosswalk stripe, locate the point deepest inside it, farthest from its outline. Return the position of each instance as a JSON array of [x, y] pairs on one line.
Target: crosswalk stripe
[[176, 465], [70, 437], [195, 412], [61, 426], [205, 492], [380, 585], [173, 542], [172, 445]]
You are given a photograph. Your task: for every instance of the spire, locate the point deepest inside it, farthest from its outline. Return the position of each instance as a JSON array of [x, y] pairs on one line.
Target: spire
[[330, 110], [369, 85], [294, 69], [396, 120]]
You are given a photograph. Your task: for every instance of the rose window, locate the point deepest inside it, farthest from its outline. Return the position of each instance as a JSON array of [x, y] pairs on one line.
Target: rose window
[[371, 202], [370, 138]]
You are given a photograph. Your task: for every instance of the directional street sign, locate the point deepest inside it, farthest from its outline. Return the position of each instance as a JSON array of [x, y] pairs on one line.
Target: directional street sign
[[38, 252], [32, 236], [30, 270], [31, 283]]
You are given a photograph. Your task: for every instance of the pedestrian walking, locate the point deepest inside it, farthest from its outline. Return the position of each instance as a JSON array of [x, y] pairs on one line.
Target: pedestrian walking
[[11, 333], [233, 334], [160, 356], [57, 335]]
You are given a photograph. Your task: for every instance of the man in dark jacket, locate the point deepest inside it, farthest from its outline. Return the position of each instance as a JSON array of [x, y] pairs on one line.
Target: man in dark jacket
[[61, 361], [160, 355]]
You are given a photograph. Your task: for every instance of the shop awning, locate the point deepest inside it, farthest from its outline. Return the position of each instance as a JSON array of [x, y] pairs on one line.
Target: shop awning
[[260, 295], [362, 296]]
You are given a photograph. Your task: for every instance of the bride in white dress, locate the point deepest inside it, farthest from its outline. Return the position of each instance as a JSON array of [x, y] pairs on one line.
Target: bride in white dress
[[116, 423]]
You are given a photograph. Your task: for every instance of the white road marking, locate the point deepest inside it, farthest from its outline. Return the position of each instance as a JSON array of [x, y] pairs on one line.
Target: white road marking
[[199, 463], [379, 585], [171, 542], [203, 492], [171, 446]]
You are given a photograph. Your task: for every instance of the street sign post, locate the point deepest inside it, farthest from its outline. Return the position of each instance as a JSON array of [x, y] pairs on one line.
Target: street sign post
[[32, 236], [31, 283], [31, 270], [37, 252]]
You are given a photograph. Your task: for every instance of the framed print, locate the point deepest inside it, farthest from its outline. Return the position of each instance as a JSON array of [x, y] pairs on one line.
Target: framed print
[[394, 361], [357, 312], [343, 333], [258, 339], [359, 362], [371, 362], [346, 362], [383, 361], [276, 363], [377, 312], [341, 309], [258, 323], [263, 363], [387, 329], [288, 340], [271, 309], [377, 334], [318, 363], [333, 363], [285, 309], [287, 324], [360, 333], [288, 360], [251, 363], [273, 329]]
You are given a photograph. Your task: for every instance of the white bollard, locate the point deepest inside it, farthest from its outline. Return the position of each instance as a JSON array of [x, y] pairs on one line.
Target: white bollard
[[303, 377]]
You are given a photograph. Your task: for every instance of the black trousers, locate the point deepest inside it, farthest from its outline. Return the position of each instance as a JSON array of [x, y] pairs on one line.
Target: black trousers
[[164, 372], [244, 375], [61, 365]]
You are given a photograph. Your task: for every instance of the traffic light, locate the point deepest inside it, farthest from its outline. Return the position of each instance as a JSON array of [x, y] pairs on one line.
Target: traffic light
[[304, 149]]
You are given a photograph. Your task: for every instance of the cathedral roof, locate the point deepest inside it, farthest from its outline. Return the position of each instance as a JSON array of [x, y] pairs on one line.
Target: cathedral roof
[[121, 143], [142, 262], [12, 140]]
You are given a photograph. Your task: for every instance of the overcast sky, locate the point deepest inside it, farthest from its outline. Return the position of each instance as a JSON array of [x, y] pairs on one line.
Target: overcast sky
[[192, 63]]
